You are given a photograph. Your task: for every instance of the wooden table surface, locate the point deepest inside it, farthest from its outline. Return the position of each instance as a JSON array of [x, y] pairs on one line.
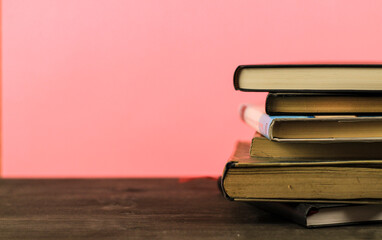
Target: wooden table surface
[[144, 209]]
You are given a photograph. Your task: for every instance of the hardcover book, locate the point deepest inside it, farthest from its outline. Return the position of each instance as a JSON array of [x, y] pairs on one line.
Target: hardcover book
[[247, 178], [313, 128], [323, 104], [261, 147], [312, 215], [309, 78], [323, 215]]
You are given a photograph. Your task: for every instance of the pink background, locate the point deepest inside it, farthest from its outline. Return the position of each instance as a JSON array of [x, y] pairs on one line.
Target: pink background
[[106, 88]]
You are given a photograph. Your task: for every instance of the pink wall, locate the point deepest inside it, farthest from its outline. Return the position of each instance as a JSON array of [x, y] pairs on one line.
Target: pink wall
[[144, 88]]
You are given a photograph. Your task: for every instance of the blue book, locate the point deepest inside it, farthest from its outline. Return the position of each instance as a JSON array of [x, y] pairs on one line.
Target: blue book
[[313, 128]]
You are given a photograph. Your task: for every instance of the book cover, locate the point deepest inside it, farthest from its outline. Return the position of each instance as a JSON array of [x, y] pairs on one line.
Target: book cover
[[309, 78], [313, 128], [323, 104], [324, 181], [312, 215], [261, 147]]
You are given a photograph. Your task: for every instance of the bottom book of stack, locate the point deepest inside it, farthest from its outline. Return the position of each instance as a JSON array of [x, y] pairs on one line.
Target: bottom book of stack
[[310, 192], [324, 214]]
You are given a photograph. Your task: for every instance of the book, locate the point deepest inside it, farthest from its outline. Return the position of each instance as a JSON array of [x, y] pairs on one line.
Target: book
[[323, 214], [309, 78], [313, 128], [246, 178], [261, 147], [312, 215], [323, 104]]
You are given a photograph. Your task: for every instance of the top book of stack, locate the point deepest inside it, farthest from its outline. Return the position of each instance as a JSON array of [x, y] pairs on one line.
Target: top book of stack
[[309, 78]]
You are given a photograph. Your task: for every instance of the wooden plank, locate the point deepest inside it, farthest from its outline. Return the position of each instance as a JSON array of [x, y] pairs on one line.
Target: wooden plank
[[143, 208]]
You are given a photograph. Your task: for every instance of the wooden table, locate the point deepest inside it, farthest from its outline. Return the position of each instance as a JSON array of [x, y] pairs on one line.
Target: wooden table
[[144, 209]]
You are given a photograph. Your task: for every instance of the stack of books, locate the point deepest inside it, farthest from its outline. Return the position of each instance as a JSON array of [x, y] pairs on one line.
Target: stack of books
[[316, 157]]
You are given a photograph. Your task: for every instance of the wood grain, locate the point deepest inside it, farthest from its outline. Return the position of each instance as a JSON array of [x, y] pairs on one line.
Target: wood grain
[[143, 208]]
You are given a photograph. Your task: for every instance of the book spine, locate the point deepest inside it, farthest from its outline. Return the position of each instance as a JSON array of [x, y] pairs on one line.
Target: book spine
[[256, 119], [228, 165], [285, 210], [268, 101], [236, 78]]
